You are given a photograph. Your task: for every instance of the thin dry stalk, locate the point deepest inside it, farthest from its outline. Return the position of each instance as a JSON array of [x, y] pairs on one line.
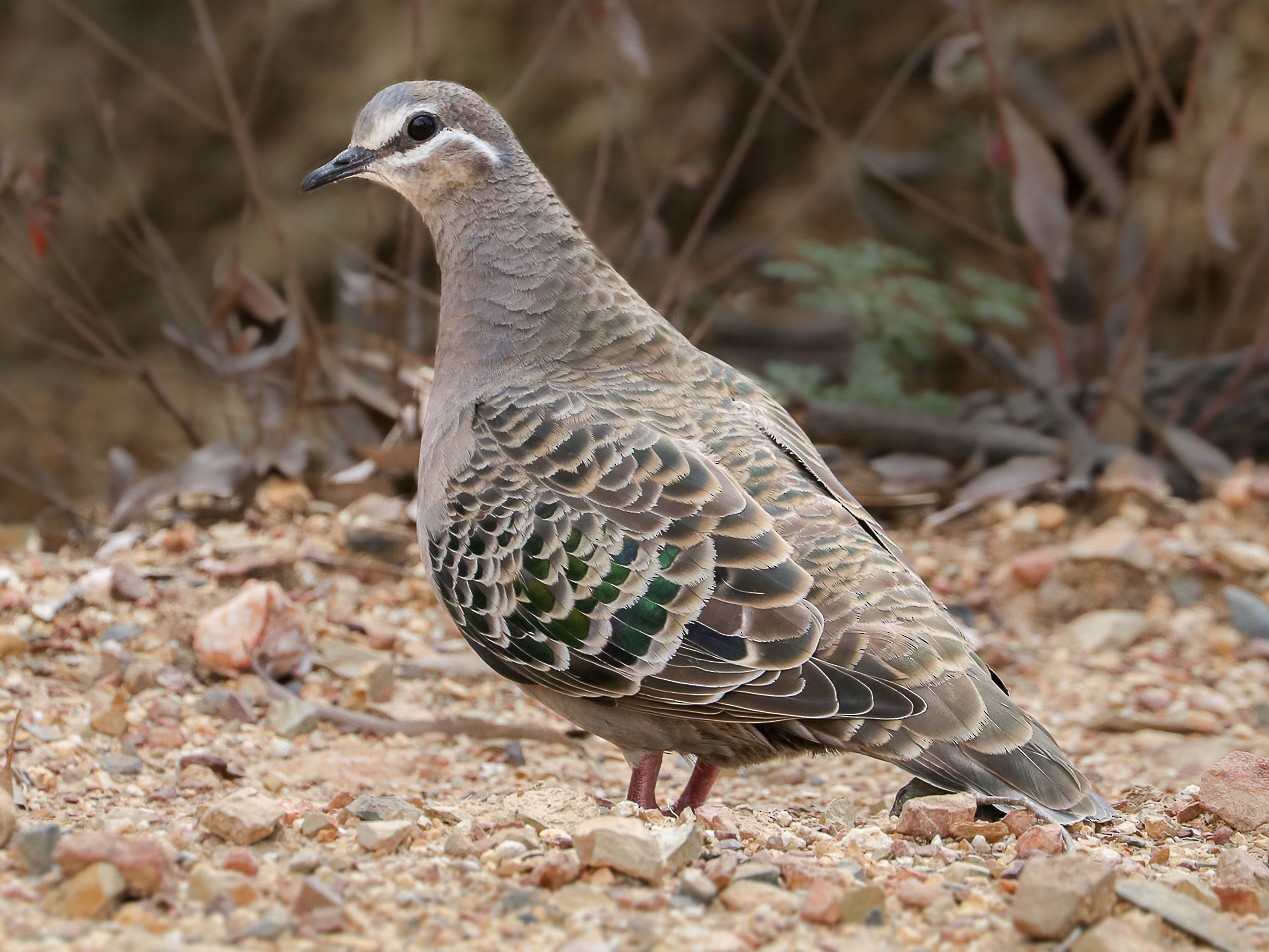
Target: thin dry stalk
[[1139, 320], [1035, 260]]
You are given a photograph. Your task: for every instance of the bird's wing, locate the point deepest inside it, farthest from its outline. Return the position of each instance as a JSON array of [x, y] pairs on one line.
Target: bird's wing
[[597, 556]]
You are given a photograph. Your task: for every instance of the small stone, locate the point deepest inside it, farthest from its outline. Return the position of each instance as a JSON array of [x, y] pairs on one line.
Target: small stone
[[12, 644], [918, 893], [241, 860], [34, 844], [864, 905], [207, 884], [311, 824], [697, 886], [840, 814], [1244, 555], [822, 903], [293, 716], [1239, 900], [259, 624], [991, 831], [305, 861], [1248, 612], [315, 898], [1033, 567], [273, 923], [1056, 894], [88, 893], [1236, 788], [1018, 822], [243, 817], [367, 807], [118, 634], [758, 872], [283, 496], [1050, 516], [628, 846], [1111, 630], [747, 895], [1118, 934], [126, 584], [1236, 867], [145, 864], [558, 870], [721, 820], [109, 714], [385, 835], [120, 765], [1044, 839], [928, 817], [1113, 542]]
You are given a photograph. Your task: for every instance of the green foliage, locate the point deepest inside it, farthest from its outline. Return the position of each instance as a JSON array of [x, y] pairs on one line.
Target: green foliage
[[901, 313]]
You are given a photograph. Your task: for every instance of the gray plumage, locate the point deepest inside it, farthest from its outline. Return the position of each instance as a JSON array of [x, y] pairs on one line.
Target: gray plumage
[[641, 536]]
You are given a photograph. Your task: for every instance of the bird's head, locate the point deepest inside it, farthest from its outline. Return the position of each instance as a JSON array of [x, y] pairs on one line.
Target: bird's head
[[425, 140]]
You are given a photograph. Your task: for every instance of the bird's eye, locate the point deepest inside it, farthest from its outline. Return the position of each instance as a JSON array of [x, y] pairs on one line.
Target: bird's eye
[[422, 127]]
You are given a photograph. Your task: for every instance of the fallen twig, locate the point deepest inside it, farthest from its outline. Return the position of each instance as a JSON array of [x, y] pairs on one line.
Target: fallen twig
[[362, 723]]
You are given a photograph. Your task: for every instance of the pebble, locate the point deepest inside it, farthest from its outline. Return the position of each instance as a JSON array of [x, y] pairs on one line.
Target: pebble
[[840, 814], [244, 817], [1056, 894], [1113, 542], [144, 863], [721, 820], [1236, 788], [120, 765], [372, 808], [1033, 567], [759, 872], [1113, 629], [822, 903], [318, 907], [273, 923], [745, 895], [1042, 839], [928, 817], [241, 860], [918, 893], [1125, 933], [109, 714], [313, 823], [864, 905], [697, 886], [560, 869], [1248, 612], [88, 893], [126, 584], [12, 644], [294, 716], [629, 846], [207, 884], [1236, 867], [385, 835], [1244, 555], [258, 623], [34, 844]]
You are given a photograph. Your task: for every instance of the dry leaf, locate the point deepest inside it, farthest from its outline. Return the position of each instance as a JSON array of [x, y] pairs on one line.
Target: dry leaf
[[624, 32], [217, 469], [1200, 458], [1039, 193], [1010, 480], [949, 55], [1221, 181]]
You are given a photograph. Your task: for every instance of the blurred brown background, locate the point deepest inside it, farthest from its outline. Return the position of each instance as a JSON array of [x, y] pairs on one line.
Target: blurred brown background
[[696, 140]]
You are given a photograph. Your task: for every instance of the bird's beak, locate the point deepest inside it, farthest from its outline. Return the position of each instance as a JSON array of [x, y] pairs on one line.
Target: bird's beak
[[352, 160]]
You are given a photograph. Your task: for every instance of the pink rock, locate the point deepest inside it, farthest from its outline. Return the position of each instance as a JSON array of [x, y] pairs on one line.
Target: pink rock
[[259, 622], [1056, 895], [1045, 839], [928, 817], [1236, 788], [822, 903], [145, 864], [1033, 567], [719, 819]]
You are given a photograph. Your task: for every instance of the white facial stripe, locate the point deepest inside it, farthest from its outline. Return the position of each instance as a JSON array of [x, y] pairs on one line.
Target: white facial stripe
[[388, 126], [400, 160]]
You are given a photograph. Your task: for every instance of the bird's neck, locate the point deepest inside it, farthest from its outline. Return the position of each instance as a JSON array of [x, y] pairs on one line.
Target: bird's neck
[[521, 284]]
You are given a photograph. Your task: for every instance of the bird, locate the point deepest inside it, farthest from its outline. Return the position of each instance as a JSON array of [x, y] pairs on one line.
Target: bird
[[638, 534]]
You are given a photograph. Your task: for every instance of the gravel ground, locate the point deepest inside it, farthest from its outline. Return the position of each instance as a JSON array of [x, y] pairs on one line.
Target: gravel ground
[[158, 804]]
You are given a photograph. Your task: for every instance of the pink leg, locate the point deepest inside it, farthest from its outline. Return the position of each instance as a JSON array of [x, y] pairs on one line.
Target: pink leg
[[698, 786], [643, 780]]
